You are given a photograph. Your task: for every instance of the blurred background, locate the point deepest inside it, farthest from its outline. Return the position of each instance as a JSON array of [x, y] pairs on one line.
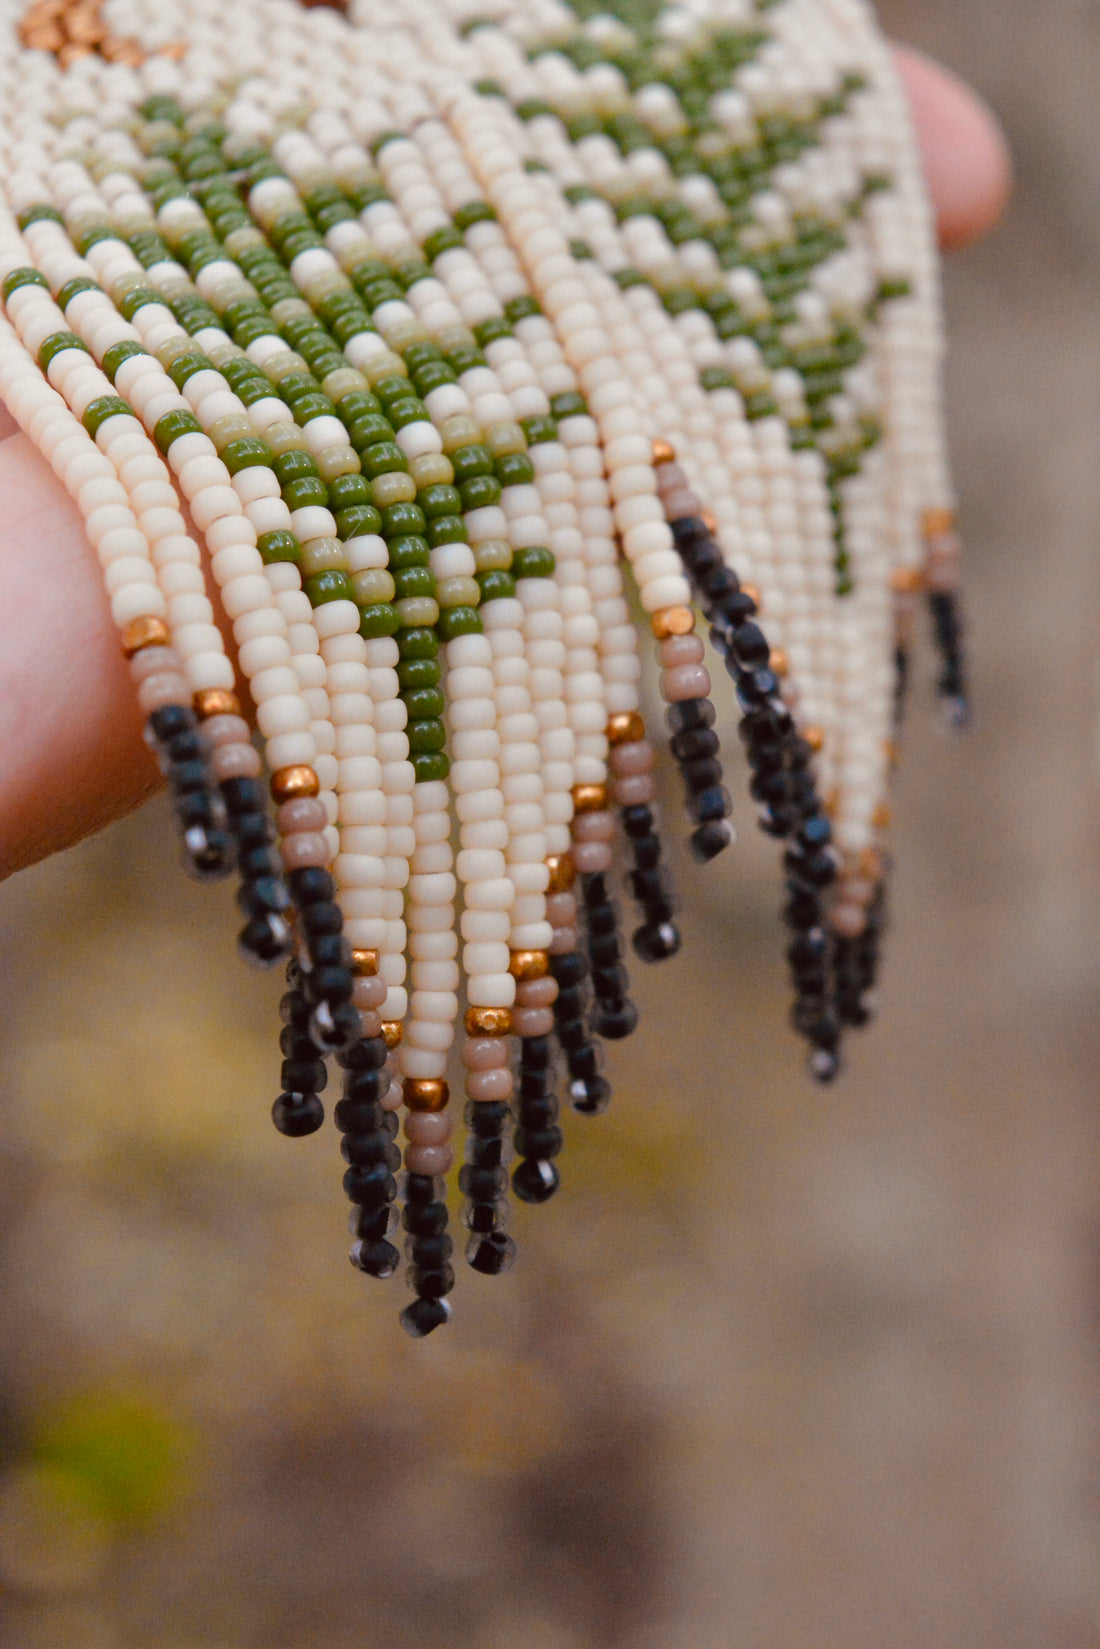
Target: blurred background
[[778, 1368]]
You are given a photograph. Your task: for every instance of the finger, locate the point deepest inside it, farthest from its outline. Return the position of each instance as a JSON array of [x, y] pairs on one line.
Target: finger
[[70, 729], [8, 425], [966, 156]]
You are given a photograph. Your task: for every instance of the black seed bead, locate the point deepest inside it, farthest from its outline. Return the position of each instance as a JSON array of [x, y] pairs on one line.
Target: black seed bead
[[541, 1143], [694, 743], [486, 1216], [309, 886], [244, 796], [368, 1054], [715, 583], [656, 942], [168, 722], [713, 803], [690, 713], [420, 1189], [369, 1186], [334, 1028], [429, 1220], [186, 776], [329, 950], [296, 1115], [254, 830], [702, 774], [568, 971], [208, 853], [539, 1107], [423, 1317], [637, 821], [491, 1253], [601, 920], [373, 1223], [321, 919], [824, 1065], [816, 869], [188, 746], [379, 1259], [537, 1053], [586, 1061], [604, 952], [255, 862], [610, 984], [535, 1182], [429, 1253], [571, 1002], [265, 940], [304, 1076], [815, 832], [358, 1116], [771, 786], [432, 1283], [488, 1117], [590, 1095], [368, 1150], [710, 839], [614, 1020], [647, 852], [265, 893], [572, 1034], [483, 1153], [201, 808], [749, 646], [734, 610], [293, 1045], [482, 1184]]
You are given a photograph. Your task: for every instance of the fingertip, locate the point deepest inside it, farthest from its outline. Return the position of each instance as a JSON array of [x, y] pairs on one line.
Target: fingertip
[[966, 155]]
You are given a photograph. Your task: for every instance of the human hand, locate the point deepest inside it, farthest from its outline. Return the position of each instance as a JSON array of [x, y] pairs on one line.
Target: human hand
[[70, 730]]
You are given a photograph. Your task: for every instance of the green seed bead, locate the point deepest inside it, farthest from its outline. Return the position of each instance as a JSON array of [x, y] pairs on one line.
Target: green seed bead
[[373, 586], [418, 643], [479, 492], [186, 366], [281, 545], [80, 283], [568, 405], [136, 297], [323, 555], [444, 239], [120, 352], [357, 520], [412, 582], [378, 621], [416, 612], [346, 490], [427, 735], [519, 309], [382, 458], [293, 465], [328, 586], [430, 766], [439, 500], [446, 529], [246, 454], [173, 425], [307, 407], [424, 703], [539, 430], [487, 332], [38, 214], [418, 674], [97, 413], [401, 518], [458, 592], [459, 621], [410, 550], [515, 469], [308, 491], [367, 429], [493, 555], [496, 585], [55, 343], [471, 460], [533, 562]]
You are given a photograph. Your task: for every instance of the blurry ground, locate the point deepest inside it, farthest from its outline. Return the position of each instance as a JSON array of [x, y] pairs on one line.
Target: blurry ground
[[778, 1370]]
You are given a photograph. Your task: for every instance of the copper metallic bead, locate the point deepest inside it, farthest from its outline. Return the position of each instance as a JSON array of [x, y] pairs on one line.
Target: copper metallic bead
[[529, 964], [488, 1021], [144, 632], [563, 872], [71, 53], [907, 580], [815, 738], [869, 865], [176, 50], [709, 520], [216, 701], [393, 1033], [893, 754], [883, 816], [663, 452], [425, 1093], [935, 523], [365, 963], [289, 784], [778, 662], [754, 594], [589, 798], [830, 803], [673, 621], [625, 727]]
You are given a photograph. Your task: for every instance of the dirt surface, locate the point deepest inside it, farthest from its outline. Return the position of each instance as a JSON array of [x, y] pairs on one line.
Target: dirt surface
[[778, 1370]]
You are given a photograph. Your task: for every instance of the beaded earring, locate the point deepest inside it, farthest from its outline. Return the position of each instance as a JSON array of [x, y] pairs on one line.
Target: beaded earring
[[475, 346]]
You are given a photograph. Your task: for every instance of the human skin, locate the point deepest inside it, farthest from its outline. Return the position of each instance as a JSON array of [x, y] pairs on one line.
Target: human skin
[[70, 732]]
